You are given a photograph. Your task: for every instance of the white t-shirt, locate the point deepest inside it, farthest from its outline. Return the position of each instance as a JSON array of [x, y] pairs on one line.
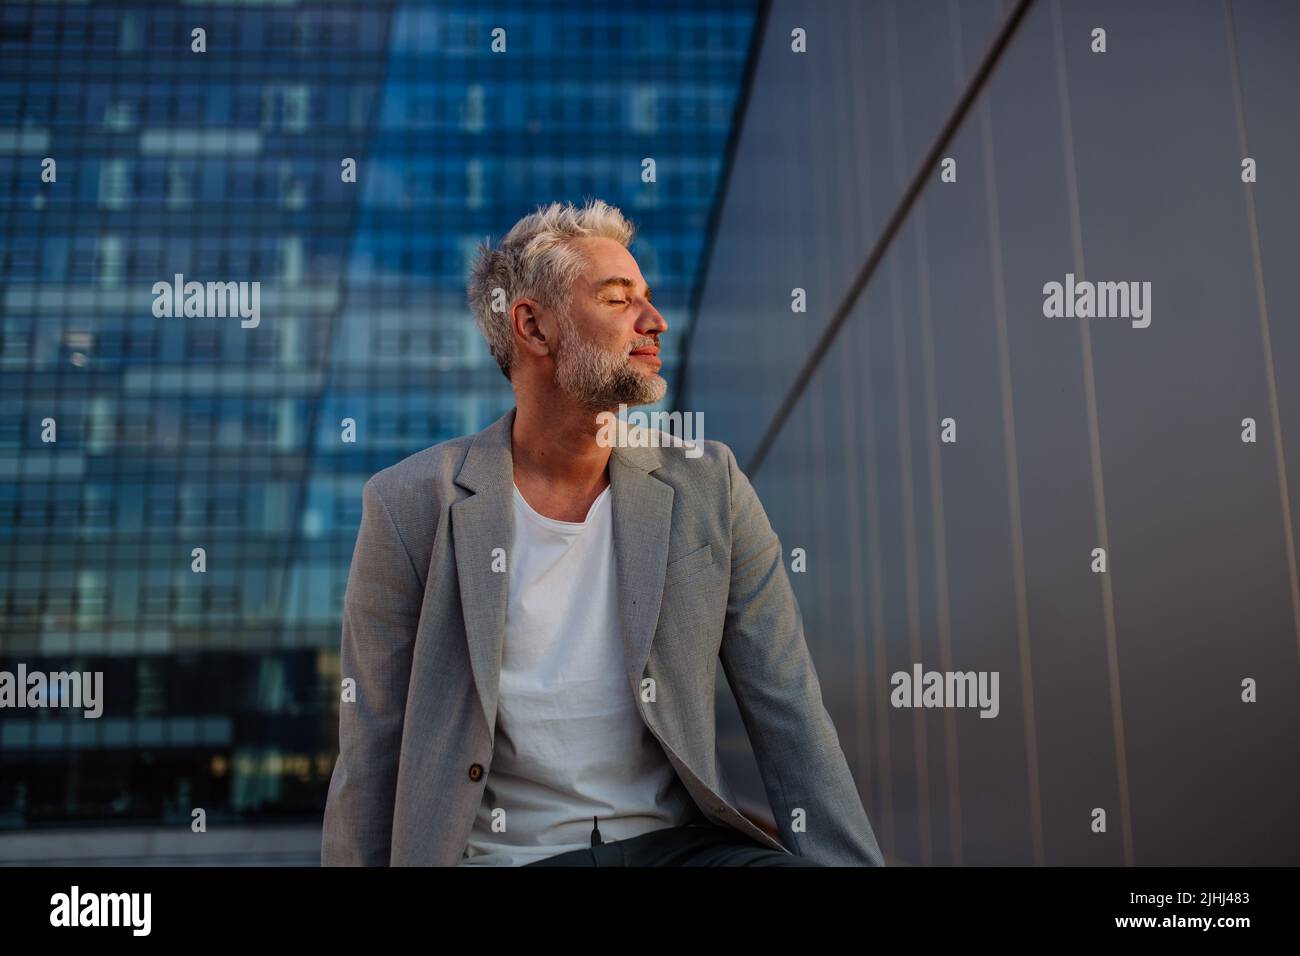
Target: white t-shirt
[[570, 744]]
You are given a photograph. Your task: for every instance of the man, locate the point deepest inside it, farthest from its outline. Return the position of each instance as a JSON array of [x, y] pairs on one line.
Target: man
[[533, 618]]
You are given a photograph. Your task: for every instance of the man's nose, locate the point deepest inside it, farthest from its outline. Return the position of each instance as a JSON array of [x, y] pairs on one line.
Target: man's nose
[[651, 320]]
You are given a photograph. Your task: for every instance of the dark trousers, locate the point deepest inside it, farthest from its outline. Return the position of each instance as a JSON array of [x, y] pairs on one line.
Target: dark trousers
[[695, 844]]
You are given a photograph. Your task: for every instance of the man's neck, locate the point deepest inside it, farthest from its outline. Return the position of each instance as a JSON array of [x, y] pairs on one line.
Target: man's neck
[[556, 448]]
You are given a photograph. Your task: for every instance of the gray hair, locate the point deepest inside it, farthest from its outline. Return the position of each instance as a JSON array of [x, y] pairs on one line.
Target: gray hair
[[535, 259]]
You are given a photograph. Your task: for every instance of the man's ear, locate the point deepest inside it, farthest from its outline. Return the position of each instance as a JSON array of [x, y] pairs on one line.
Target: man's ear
[[526, 319]]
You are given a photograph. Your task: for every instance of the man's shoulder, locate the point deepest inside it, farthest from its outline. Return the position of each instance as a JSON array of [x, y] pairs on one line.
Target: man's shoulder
[[678, 458], [415, 476]]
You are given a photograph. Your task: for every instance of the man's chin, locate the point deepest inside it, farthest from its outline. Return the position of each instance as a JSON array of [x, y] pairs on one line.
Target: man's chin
[[654, 394], [644, 400], [624, 402], [645, 389]]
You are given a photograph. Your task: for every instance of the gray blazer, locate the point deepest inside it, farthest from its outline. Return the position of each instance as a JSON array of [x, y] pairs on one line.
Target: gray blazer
[[701, 578]]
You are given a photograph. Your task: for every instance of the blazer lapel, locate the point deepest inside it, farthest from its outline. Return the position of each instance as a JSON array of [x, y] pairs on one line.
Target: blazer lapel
[[479, 524], [642, 508], [643, 511]]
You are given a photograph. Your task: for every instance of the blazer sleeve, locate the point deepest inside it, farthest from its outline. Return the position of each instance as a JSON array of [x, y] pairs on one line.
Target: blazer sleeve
[[771, 674], [381, 608]]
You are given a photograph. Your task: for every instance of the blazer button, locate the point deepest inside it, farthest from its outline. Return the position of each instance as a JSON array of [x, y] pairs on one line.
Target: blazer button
[[476, 771]]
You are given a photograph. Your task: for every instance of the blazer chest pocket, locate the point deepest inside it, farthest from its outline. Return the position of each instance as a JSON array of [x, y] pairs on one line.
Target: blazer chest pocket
[[689, 563], [694, 602]]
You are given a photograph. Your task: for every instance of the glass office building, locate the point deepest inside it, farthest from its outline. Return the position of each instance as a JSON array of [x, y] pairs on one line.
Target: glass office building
[[135, 150]]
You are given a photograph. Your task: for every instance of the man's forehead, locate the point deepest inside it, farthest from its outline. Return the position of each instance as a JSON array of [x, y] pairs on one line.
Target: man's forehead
[[605, 256]]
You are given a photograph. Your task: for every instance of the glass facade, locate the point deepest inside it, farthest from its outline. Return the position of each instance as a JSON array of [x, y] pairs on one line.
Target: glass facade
[[135, 151], [1121, 690]]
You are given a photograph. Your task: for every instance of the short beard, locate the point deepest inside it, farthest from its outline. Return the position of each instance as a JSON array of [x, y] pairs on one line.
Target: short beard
[[598, 380]]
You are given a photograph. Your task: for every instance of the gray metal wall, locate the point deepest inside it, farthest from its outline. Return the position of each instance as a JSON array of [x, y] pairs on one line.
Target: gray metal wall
[[1119, 690]]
